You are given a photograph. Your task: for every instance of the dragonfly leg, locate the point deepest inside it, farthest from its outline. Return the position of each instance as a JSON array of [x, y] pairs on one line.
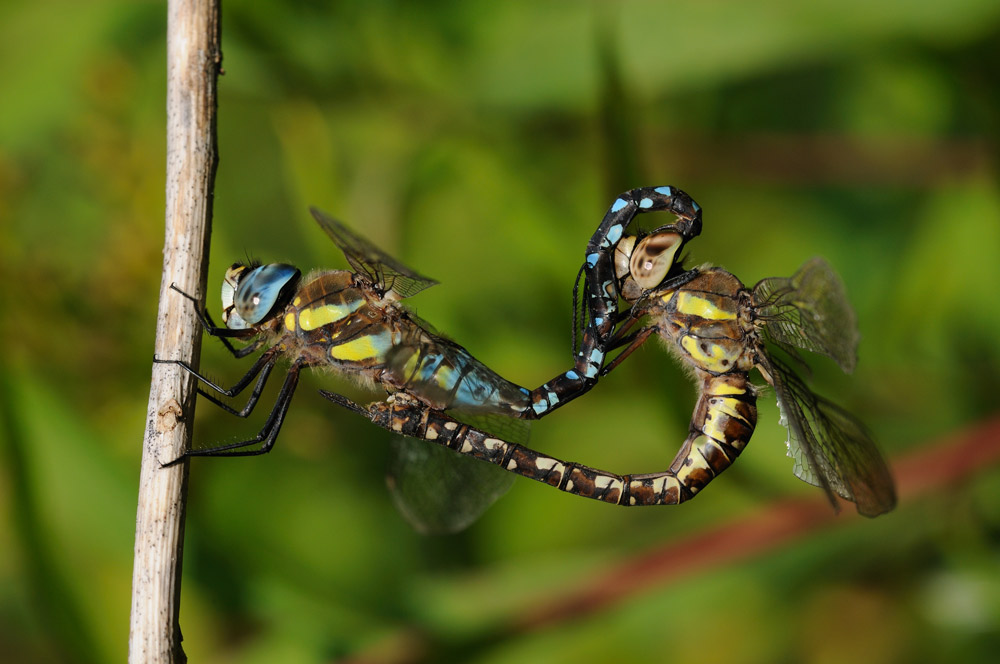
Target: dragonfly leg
[[344, 402], [267, 435], [633, 342], [223, 334], [263, 366]]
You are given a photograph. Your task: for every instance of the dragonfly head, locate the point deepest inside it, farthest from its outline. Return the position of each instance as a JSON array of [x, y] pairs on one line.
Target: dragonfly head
[[252, 294], [641, 264]]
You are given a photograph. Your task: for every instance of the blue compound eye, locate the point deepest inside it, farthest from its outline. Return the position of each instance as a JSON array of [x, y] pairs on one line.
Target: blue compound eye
[[653, 257], [249, 298]]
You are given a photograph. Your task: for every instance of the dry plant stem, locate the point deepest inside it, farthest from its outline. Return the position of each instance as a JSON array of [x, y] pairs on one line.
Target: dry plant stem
[[193, 62]]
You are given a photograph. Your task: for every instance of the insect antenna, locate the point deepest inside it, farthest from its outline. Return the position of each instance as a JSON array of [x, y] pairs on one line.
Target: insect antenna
[[251, 261]]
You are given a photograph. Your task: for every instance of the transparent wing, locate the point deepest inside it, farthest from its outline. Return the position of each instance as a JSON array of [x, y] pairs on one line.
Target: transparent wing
[[439, 491], [446, 376], [383, 270], [809, 310], [831, 449]]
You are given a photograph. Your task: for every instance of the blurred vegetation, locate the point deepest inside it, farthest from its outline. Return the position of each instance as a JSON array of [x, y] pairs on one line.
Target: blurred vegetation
[[482, 142]]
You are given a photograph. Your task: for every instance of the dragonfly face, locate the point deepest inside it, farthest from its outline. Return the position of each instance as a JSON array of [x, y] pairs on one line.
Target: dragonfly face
[[351, 322], [642, 264], [254, 294]]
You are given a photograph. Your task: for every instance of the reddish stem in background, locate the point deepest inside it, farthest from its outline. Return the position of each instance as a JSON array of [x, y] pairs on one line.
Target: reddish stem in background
[[929, 469]]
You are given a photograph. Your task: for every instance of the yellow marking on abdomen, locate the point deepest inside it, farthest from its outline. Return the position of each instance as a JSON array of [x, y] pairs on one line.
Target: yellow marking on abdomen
[[362, 348], [694, 463], [726, 388], [659, 487], [416, 367], [713, 429], [444, 376], [693, 305], [607, 482], [728, 407], [318, 316], [411, 365]]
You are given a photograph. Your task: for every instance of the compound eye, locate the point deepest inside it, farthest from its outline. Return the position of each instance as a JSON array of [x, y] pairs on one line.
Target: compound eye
[[653, 257], [260, 292]]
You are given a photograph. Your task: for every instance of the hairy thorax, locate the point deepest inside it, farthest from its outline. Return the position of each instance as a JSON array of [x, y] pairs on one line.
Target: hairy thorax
[[706, 322]]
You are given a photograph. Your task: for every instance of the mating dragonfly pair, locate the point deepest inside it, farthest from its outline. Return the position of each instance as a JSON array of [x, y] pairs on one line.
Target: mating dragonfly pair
[[353, 321]]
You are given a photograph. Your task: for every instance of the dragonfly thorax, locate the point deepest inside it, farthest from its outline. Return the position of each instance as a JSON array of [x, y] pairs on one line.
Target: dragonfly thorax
[[254, 294]]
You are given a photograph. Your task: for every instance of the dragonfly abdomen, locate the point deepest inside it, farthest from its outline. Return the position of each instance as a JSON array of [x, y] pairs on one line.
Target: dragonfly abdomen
[[723, 423], [444, 375]]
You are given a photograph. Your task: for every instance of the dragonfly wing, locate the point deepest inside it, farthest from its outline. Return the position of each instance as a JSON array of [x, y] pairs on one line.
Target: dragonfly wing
[[439, 491], [382, 269], [830, 447], [809, 310]]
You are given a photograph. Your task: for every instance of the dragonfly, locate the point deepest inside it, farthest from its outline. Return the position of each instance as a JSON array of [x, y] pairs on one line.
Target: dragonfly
[[353, 321], [721, 331]]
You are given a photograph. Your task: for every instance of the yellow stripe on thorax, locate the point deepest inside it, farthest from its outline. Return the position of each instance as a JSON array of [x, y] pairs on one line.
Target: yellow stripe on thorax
[[318, 316], [693, 305], [364, 347]]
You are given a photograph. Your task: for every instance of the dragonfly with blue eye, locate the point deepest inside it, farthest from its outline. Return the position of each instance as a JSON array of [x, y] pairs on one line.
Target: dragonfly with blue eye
[[721, 331], [353, 322]]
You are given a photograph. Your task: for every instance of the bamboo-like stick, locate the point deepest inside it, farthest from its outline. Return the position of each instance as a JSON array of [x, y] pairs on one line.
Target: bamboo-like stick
[[193, 64]]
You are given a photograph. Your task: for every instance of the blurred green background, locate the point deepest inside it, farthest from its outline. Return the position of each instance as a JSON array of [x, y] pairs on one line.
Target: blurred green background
[[482, 142]]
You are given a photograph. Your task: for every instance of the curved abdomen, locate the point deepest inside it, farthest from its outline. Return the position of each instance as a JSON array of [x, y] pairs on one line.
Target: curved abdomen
[[723, 421]]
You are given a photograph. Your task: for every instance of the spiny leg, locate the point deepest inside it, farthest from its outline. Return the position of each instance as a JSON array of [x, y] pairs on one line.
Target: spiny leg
[[633, 342], [267, 435], [263, 366]]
